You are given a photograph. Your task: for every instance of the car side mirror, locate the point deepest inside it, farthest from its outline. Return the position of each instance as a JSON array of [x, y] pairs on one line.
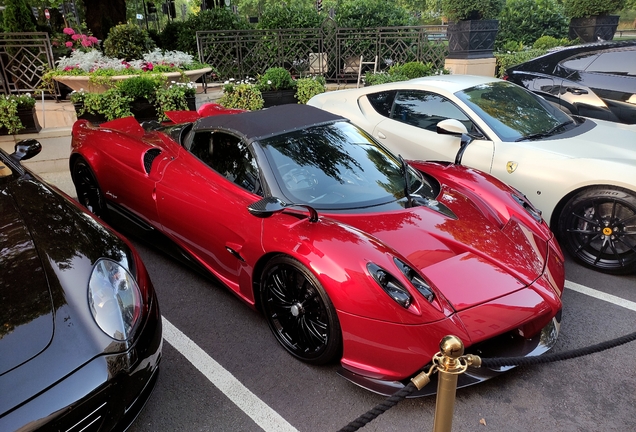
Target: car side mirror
[[266, 207], [451, 127], [26, 149]]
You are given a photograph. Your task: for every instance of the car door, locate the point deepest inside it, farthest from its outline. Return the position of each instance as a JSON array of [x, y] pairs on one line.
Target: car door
[[411, 129], [202, 201]]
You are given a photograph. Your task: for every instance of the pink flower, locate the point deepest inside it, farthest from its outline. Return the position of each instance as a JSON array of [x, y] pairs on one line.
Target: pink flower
[[68, 68], [86, 43], [68, 44], [69, 31], [76, 37], [93, 39]]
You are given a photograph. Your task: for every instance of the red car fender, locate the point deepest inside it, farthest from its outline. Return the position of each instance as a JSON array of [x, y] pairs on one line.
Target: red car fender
[[338, 255]]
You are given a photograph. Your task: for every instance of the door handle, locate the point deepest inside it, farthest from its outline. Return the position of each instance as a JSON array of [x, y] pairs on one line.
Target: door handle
[[381, 135], [576, 90]]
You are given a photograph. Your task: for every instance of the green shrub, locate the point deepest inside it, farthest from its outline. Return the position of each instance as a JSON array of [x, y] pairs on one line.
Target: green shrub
[[459, 10], [289, 15], [128, 42], [242, 96], [512, 46], [403, 72], [547, 42], [139, 87], [414, 69], [372, 13], [306, 88], [17, 17], [110, 103], [587, 8], [505, 60], [525, 21], [276, 78], [173, 97], [371, 78]]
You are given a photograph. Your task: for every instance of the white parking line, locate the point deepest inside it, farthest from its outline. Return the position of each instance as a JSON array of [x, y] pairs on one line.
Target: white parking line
[[259, 411], [601, 295]]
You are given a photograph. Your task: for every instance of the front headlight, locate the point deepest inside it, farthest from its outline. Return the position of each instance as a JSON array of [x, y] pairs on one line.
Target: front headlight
[[114, 299]]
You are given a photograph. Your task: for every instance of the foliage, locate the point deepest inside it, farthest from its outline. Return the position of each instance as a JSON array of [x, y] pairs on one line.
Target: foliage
[[173, 97], [372, 13], [506, 60], [403, 72], [140, 87], [308, 87], [9, 106], [527, 20], [588, 8], [111, 103], [17, 17], [547, 42], [512, 46], [290, 15], [459, 10], [183, 34], [128, 42], [276, 78], [242, 95]]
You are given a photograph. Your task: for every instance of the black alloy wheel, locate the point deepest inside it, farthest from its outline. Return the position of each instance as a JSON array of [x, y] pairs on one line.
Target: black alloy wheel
[[88, 191], [299, 312], [598, 227]]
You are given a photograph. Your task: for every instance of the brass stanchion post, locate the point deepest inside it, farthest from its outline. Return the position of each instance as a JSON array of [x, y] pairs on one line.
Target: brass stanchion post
[[449, 365]]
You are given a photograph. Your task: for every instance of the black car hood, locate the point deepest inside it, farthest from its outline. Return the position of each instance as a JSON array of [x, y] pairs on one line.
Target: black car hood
[[26, 314]]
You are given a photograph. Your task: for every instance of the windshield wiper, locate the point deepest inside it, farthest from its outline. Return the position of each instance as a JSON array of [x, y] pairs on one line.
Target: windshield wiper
[[545, 134]]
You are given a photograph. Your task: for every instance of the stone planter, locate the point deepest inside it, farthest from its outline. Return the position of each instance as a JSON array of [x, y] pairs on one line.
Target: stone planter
[[594, 28], [472, 39], [93, 118], [78, 83], [279, 97]]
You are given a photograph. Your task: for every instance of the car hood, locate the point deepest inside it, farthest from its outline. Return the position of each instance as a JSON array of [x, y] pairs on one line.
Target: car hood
[[494, 261], [609, 141], [26, 314]]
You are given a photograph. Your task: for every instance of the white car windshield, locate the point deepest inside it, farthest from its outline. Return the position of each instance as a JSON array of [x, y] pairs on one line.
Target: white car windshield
[[514, 113]]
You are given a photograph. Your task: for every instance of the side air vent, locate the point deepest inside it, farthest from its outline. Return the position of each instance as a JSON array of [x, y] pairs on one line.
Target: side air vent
[[149, 157]]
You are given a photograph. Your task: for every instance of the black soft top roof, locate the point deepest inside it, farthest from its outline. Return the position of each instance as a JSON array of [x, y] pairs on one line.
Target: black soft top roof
[[272, 121]]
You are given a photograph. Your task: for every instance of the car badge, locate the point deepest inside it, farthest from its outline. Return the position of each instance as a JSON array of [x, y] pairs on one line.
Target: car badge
[[511, 167]]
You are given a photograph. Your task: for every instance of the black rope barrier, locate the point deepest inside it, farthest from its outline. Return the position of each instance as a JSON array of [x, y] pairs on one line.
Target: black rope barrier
[[380, 408], [548, 358]]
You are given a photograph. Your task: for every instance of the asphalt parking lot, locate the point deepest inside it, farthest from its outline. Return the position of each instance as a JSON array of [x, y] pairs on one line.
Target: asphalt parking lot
[[222, 370]]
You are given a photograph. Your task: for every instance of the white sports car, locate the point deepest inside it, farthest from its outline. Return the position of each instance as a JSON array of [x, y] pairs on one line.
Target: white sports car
[[580, 173]]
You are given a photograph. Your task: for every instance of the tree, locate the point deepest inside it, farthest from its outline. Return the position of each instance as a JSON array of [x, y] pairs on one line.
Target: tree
[[18, 17], [101, 16]]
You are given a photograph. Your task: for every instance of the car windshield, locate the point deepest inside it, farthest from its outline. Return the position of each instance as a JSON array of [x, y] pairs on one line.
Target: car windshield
[[513, 112], [338, 166]]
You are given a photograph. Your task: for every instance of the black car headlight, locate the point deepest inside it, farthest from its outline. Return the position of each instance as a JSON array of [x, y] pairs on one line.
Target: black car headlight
[[390, 285], [114, 299]]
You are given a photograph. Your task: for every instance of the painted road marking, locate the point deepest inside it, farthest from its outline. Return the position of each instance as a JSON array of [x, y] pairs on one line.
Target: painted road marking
[[601, 295], [268, 419]]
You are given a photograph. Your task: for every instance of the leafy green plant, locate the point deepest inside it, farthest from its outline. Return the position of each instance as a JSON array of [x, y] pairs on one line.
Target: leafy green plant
[[276, 78], [403, 72], [289, 15], [173, 97], [414, 69], [588, 8], [548, 19], [460, 10], [506, 60], [111, 103], [372, 13], [308, 87], [140, 87], [17, 17], [547, 42], [242, 96], [9, 106], [128, 42]]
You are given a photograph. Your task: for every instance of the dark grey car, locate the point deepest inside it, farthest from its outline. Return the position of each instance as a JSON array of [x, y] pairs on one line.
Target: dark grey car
[[595, 80]]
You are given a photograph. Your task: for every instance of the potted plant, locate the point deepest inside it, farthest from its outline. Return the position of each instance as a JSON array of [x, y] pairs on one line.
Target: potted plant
[[277, 87], [174, 97], [308, 87], [241, 95], [590, 20], [473, 27], [17, 114], [100, 107]]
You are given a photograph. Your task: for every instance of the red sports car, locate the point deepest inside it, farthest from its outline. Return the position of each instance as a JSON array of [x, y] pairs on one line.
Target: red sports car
[[350, 252]]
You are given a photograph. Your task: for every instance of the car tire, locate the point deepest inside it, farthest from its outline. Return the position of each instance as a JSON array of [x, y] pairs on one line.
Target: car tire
[[598, 227], [89, 194], [299, 311]]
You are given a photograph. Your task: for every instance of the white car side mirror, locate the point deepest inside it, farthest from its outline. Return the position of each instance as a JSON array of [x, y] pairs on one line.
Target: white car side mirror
[[451, 127]]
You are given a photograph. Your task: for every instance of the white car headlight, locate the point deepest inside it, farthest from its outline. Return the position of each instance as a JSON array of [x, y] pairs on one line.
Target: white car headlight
[[115, 299]]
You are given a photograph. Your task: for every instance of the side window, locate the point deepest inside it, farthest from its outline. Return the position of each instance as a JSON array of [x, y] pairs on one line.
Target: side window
[[230, 157], [579, 62], [382, 102], [615, 62], [425, 110]]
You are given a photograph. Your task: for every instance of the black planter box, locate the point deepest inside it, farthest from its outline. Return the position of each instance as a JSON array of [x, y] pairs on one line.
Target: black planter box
[[594, 28], [93, 118], [143, 110], [29, 120], [280, 97], [472, 39]]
